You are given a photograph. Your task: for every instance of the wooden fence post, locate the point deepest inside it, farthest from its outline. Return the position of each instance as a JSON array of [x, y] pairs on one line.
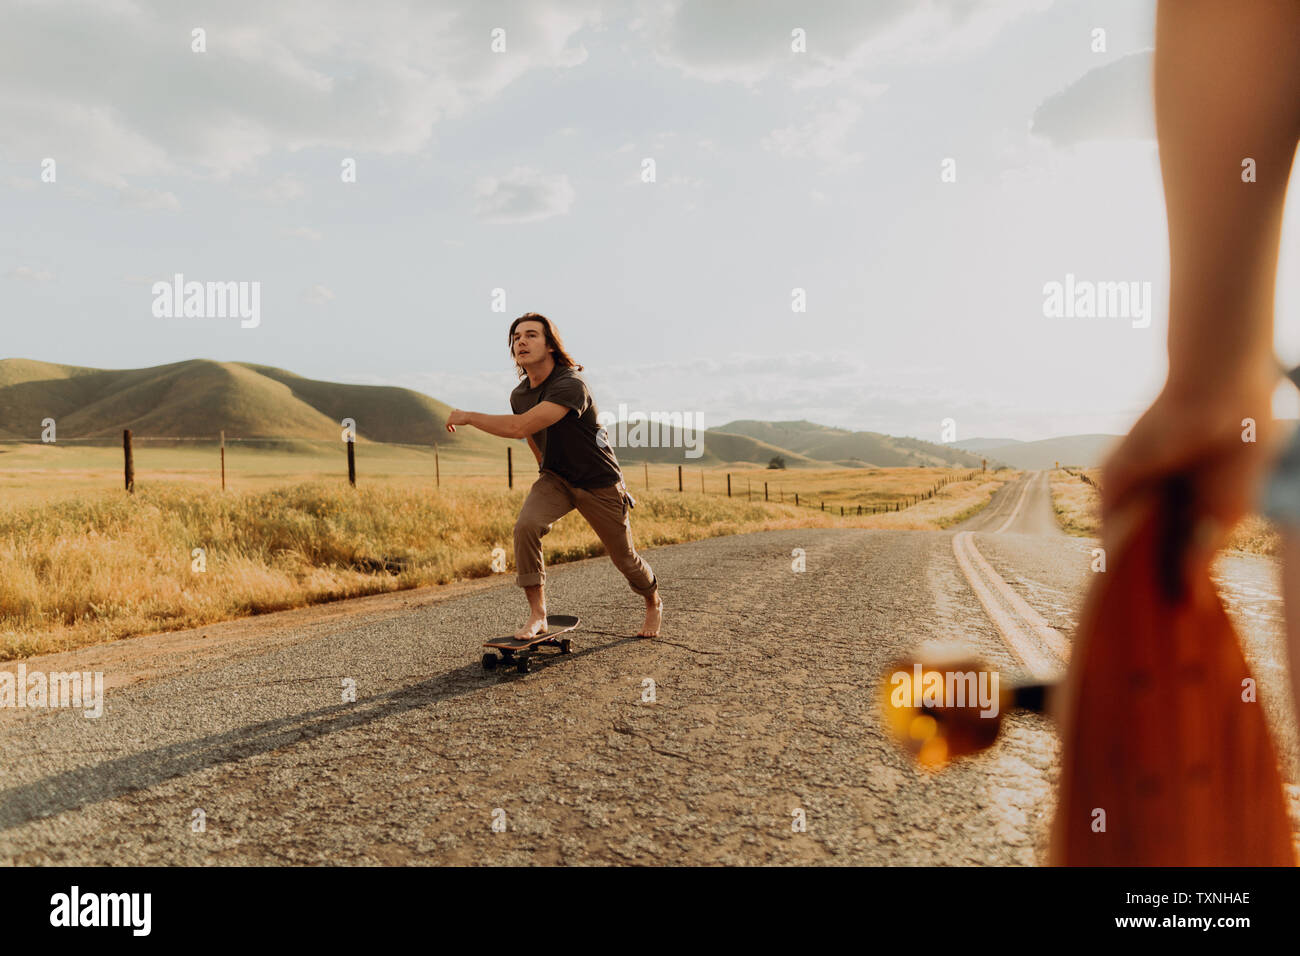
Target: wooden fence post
[[129, 460], [437, 467], [765, 498], [796, 499], [223, 459], [510, 467], [679, 478], [647, 475], [728, 484], [352, 462]]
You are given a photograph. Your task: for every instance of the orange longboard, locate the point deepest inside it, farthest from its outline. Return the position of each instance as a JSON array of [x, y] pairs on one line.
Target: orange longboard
[[1164, 762]]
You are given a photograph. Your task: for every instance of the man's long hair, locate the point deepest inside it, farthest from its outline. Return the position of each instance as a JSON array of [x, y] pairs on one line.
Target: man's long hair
[[553, 342]]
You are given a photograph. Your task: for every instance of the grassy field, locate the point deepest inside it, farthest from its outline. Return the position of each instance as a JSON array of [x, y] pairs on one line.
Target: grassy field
[[81, 562], [1076, 503], [1078, 511], [33, 474], [39, 474]]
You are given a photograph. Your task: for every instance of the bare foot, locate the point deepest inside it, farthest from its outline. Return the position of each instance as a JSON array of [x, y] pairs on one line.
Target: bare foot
[[536, 625], [654, 616]]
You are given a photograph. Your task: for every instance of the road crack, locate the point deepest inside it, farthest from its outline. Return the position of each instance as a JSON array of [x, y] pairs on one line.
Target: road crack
[[687, 647], [629, 732]]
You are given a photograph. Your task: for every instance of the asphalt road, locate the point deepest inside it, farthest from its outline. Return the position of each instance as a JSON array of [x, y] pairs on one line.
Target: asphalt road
[[764, 711]]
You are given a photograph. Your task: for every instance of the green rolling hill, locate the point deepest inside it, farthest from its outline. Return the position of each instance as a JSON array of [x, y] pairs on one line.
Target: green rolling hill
[[199, 398], [838, 445], [719, 448]]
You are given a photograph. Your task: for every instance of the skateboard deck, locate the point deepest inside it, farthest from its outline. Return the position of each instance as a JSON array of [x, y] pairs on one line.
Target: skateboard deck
[[1166, 760], [514, 650], [1158, 732]]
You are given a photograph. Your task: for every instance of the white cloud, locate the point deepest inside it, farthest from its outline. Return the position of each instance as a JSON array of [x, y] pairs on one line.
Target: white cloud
[[826, 388], [282, 189], [477, 391], [906, 398], [1110, 102], [149, 199], [824, 138], [661, 140], [28, 274], [114, 92], [744, 42], [522, 195]]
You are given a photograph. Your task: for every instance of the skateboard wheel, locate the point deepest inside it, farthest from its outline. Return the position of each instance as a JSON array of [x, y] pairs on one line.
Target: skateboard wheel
[[489, 661], [566, 646], [522, 666]]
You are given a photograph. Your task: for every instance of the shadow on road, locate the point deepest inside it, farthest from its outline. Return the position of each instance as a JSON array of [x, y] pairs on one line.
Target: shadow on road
[[74, 789]]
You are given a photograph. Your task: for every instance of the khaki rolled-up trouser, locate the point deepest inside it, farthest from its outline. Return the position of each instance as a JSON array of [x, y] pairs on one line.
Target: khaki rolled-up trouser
[[550, 499]]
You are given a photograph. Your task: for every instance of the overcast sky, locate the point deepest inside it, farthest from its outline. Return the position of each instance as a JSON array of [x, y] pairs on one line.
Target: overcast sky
[[522, 170]]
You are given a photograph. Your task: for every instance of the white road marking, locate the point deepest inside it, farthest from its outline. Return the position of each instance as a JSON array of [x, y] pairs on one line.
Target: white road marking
[[1016, 510], [1043, 649]]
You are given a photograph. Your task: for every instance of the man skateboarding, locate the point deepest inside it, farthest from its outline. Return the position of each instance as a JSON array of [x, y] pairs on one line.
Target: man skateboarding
[[554, 411]]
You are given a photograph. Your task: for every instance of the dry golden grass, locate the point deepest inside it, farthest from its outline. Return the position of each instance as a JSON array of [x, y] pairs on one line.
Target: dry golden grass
[[1255, 535], [102, 565], [836, 487], [1078, 510], [1076, 503], [42, 474]]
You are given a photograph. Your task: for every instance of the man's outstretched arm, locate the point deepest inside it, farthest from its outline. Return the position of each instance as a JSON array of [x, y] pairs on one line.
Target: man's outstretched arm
[[510, 426]]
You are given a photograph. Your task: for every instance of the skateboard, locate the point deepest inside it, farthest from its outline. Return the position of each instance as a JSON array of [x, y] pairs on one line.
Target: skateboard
[[1165, 762], [1156, 725], [512, 650]]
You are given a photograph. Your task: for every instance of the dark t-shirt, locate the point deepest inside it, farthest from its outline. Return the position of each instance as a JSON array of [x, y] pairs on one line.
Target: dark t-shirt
[[576, 447]]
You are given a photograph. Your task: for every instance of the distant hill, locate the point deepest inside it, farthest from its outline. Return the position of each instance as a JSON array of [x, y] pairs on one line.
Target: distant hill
[[199, 398], [839, 445], [984, 444], [719, 447], [1086, 451]]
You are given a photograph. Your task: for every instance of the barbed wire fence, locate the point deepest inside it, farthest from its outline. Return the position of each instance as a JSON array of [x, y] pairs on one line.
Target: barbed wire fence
[[1082, 476], [129, 441]]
